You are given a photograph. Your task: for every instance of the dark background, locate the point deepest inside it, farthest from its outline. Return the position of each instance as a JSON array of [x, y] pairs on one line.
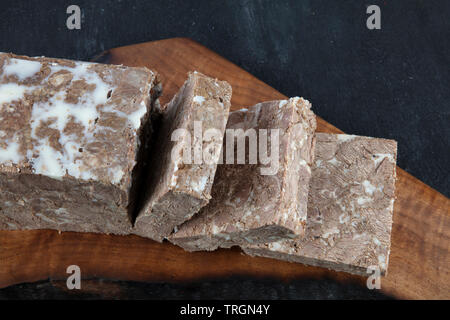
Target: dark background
[[391, 83]]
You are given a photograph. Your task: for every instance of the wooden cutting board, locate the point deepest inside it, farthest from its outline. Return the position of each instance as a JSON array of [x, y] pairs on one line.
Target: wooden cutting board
[[419, 261]]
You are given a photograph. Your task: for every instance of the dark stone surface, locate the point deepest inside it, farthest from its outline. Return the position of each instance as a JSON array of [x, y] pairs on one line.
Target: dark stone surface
[[230, 289], [391, 83]]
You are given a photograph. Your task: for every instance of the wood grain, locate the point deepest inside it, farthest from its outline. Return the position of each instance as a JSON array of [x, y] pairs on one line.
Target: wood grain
[[419, 261]]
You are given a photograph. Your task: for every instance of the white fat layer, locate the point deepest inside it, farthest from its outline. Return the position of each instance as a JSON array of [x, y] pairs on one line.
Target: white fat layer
[[345, 137], [359, 235], [21, 68], [135, 117], [215, 229], [61, 211], [199, 99], [318, 163], [368, 187], [11, 153], [56, 114], [303, 163], [344, 218], [54, 163], [282, 103], [10, 92], [363, 200], [382, 260], [46, 160], [200, 185], [391, 205], [334, 161], [275, 246], [328, 233], [116, 174], [174, 179]]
